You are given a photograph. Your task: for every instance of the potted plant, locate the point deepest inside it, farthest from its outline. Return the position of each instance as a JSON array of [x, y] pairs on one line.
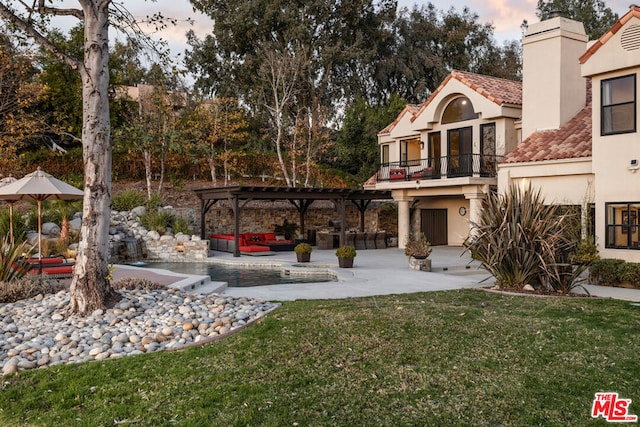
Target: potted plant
[[418, 249], [417, 246], [288, 229], [303, 252], [345, 255]]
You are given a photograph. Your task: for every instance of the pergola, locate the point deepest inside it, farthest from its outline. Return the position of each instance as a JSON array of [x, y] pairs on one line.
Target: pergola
[[301, 198]]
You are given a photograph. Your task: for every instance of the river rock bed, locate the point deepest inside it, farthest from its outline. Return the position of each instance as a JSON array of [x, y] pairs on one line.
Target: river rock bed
[[36, 333]]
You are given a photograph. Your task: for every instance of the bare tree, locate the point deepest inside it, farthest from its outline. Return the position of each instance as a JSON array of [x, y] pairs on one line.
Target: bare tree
[[90, 287], [280, 71]]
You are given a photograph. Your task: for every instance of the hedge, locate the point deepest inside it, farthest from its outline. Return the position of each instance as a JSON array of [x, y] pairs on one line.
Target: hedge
[[614, 272]]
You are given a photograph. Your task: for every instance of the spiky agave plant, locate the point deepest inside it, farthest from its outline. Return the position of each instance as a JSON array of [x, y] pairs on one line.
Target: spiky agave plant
[[518, 238], [14, 265]]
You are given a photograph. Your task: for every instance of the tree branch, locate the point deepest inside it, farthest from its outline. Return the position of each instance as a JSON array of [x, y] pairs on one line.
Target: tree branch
[[24, 26], [44, 10]]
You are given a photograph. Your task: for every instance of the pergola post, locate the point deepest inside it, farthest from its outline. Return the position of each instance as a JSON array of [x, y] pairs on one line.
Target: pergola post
[[343, 220], [362, 207], [236, 226], [205, 205]]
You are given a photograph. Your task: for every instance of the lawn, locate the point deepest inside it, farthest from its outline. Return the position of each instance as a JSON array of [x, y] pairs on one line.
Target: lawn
[[441, 359]]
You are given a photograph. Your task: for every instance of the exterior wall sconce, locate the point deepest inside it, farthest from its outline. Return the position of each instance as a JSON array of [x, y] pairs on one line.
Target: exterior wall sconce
[[633, 166], [417, 184], [421, 144]]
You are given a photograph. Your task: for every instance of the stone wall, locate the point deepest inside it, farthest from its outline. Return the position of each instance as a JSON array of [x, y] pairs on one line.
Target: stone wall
[[129, 241], [265, 217], [178, 248]]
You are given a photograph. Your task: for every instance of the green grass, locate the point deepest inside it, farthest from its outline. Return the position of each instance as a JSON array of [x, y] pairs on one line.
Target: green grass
[[444, 358]]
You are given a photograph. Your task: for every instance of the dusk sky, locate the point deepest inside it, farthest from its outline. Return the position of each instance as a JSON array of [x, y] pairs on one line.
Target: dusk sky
[[506, 15]]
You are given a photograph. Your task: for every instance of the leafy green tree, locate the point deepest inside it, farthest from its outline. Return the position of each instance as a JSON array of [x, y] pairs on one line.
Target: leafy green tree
[[64, 98], [594, 14], [20, 121], [357, 150], [152, 129], [294, 61], [215, 127], [125, 64], [424, 44]]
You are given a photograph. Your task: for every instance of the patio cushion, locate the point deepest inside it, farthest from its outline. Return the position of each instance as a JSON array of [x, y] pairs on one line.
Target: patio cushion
[[254, 248]]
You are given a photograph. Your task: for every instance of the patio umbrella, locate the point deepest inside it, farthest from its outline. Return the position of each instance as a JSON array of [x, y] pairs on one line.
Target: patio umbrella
[[39, 186], [6, 181]]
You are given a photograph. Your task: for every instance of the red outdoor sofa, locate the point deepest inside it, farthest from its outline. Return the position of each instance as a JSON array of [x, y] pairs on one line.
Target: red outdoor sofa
[[250, 242], [54, 266]]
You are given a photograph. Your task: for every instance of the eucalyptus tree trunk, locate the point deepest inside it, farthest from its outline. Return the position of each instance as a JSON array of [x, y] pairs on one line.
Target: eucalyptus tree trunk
[[90, 287], [147, 172]]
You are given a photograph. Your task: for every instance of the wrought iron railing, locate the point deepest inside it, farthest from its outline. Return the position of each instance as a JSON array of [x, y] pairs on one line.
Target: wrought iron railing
[[464, 165]]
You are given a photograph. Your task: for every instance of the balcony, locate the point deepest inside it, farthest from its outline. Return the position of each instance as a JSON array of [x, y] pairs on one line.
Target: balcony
[[466, 165]]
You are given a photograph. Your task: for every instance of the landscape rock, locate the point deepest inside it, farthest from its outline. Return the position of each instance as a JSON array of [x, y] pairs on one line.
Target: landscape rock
[[51, 229], [34, 333]]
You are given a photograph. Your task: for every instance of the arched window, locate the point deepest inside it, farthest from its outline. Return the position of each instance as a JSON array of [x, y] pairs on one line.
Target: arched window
[[458, 110]]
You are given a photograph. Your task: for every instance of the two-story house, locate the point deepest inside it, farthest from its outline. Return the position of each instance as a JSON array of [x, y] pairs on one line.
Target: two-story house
[[590, 158], [439, 158], [570, 129]]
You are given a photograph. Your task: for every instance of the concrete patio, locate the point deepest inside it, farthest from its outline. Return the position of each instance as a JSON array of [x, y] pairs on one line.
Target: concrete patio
[[375, 272]]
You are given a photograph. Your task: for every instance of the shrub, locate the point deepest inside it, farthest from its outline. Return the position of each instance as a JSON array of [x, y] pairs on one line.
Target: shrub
[[346, 252], [520, 241], [157, 221], [127, 200], [28, 287], [606, 270], [586, 252], [180, 225], [176, 181], [154, 203], [629, 272], [287, 228], [57, 210]]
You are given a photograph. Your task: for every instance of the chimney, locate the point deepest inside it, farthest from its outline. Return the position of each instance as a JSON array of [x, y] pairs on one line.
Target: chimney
[[552, 89]]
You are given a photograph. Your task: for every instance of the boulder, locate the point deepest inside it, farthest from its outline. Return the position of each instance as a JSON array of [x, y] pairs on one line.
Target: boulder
[[139, 211], [75, 223], [51, 229]]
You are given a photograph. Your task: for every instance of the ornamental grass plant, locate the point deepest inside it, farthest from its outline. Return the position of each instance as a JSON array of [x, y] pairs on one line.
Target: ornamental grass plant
[[522, 241]]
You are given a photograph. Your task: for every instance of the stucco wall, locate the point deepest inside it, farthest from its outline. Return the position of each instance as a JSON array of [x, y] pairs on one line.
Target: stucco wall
[[457, 225], [612, 155], [564, 182]]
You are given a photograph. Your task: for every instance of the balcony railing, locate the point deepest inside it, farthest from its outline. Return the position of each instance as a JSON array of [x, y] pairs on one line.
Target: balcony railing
[[466, 165]]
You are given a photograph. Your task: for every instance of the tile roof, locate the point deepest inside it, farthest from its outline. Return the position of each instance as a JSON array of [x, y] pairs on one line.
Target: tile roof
[[371, 182], [408, 109], [497, 90], [571, 141], [634, 11], [500, 91]]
